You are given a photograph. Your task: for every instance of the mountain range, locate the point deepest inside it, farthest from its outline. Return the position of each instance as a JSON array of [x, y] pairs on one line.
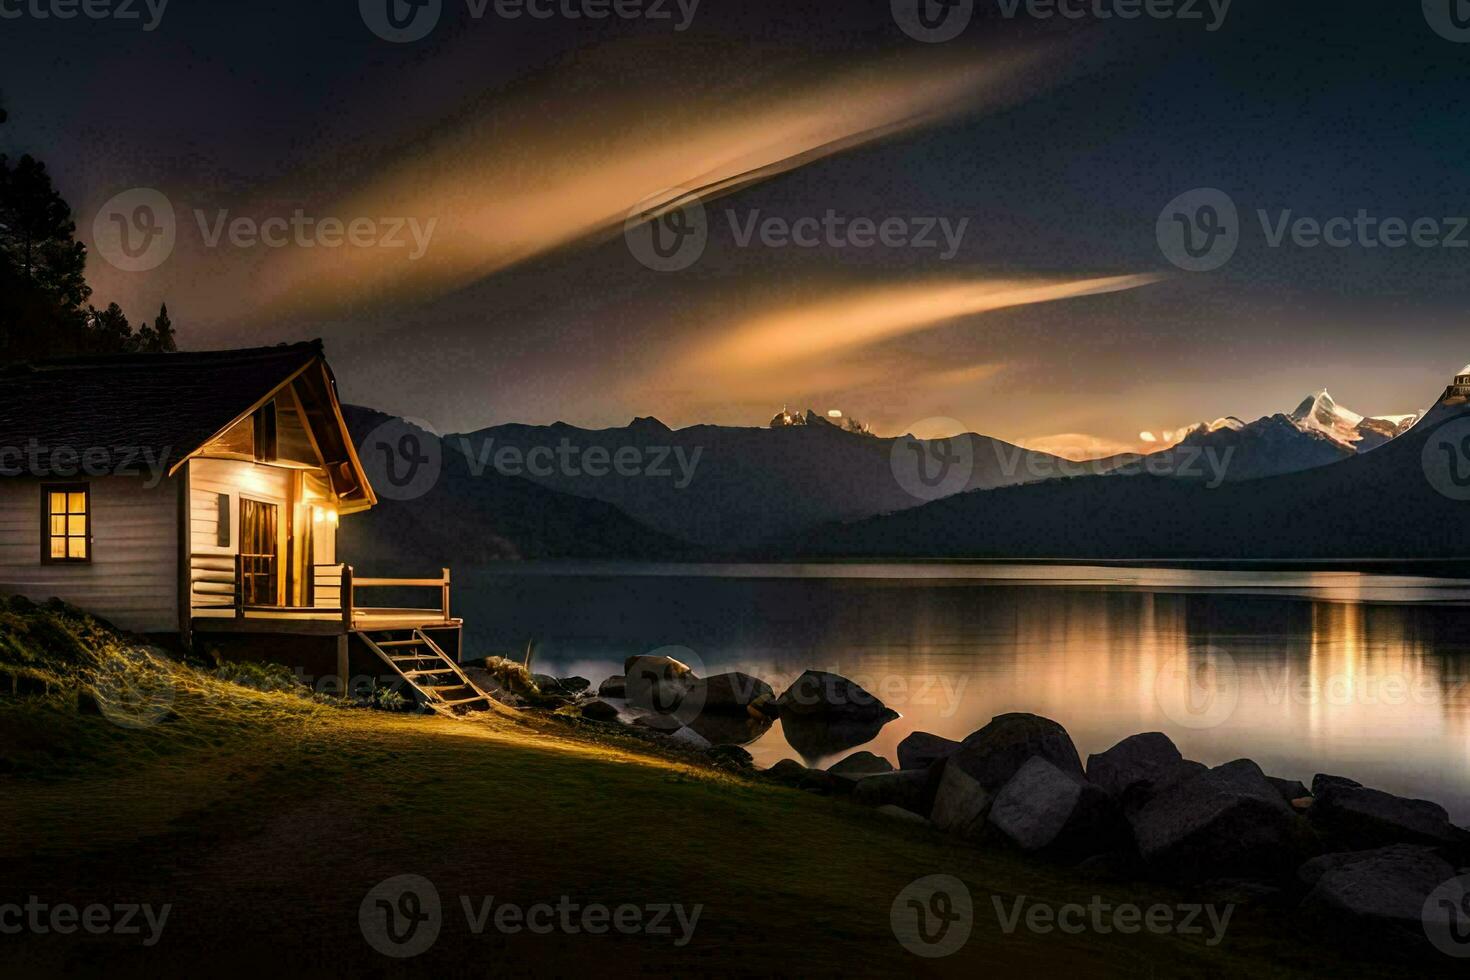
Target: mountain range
[[1320, 478]]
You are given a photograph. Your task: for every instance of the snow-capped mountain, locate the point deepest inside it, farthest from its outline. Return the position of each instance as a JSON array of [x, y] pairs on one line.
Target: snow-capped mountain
[[1318, 432], [1353, 432]]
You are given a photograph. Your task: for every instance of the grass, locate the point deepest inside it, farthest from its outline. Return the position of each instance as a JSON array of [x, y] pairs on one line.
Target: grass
[[264, 817]]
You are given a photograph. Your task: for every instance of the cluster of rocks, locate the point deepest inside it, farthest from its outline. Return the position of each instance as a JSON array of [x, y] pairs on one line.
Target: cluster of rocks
[[821, 713], [1141, 809]]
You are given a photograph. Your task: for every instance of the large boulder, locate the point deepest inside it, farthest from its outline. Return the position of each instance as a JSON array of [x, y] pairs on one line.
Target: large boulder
[[1354, 817], [903, 788], [613, 687], [1384, 886], [731, 692], [1043, 810], [961, 803], [818, 693], [1226, 822], [920, 750], [657, 683], [995, 753], [1132, 770]]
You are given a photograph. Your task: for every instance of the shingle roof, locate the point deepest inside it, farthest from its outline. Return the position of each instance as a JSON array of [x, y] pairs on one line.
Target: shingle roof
[[168, 404]]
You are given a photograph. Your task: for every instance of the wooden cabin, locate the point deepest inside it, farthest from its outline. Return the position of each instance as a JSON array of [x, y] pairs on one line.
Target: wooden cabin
[[196, 497]]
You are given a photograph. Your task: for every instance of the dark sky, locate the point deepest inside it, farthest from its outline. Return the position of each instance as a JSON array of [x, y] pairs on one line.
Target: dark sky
[[527, 142]]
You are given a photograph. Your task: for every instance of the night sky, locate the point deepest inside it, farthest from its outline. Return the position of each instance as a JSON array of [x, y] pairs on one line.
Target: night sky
[[527, 143]]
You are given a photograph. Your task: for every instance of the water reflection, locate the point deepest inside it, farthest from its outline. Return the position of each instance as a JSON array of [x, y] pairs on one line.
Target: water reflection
[[1363, 675]]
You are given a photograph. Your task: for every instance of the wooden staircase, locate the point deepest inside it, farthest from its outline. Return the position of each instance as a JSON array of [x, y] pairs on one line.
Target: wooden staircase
[[427, 669]]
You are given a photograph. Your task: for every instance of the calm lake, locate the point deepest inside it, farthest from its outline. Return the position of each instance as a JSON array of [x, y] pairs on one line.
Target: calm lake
[[1363, 675]]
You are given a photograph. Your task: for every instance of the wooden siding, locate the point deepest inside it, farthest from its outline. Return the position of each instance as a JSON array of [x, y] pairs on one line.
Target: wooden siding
[[132, 579]]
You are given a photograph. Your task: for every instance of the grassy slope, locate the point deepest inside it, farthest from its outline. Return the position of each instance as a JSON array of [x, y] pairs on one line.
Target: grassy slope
[[264, 818]]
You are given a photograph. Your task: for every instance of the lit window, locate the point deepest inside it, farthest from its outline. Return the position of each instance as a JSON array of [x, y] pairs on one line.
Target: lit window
[[67, 529]]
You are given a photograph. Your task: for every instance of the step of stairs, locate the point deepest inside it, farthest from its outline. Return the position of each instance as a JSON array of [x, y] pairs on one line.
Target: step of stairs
[[428, 661]]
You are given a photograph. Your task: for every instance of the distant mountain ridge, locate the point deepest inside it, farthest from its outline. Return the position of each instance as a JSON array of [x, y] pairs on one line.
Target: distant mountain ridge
[[1388, 503], [744, 486]]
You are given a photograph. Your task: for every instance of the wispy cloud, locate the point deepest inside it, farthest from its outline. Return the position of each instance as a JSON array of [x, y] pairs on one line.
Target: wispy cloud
[[513, 182]]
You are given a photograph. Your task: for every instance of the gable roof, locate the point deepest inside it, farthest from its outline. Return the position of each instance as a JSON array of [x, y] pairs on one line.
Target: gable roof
[[164, 405]]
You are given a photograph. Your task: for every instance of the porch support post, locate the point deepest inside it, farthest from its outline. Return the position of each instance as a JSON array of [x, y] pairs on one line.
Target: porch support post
[[344, 665]]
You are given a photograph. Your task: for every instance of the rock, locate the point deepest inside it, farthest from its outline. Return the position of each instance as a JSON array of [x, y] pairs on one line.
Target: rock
[[560, 686], [1386, 886], [902, 788], [729, 692], [861, 764], [1358, 818], [920, 750], [690, 739], [995, 753], [730, 757], [793, 773], [787, 771], [898, 812], [846, 774], [1044, 810], [1291, 790], [1321, 783], [1222, 822], [667, 724], [818, 693], [727, 729], [1132, 770], [656, 683], [961, 803], [613, 687], [765, 706], [818, 738], [599, 710]]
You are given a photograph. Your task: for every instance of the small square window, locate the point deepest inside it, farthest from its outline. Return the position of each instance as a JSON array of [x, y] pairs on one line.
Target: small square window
[[66, 523]]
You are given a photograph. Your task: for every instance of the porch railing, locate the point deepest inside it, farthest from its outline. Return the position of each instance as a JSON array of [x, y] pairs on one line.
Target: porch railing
[[218, 582]]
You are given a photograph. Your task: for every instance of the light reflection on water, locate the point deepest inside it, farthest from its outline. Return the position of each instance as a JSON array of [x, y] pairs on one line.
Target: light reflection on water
[[1361, 675]]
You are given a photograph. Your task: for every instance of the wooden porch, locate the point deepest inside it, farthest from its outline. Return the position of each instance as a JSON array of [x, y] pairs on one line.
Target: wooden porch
[[222, 586]]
